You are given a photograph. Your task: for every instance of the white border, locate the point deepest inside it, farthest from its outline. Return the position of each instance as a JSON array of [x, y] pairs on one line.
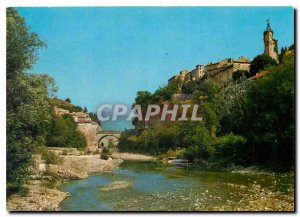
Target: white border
[[37, 3]]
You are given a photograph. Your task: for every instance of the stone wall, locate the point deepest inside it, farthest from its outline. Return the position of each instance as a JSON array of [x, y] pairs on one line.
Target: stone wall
[[89, 130]]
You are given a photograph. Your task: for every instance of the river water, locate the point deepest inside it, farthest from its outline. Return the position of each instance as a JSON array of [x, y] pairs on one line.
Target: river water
[[157, 187]]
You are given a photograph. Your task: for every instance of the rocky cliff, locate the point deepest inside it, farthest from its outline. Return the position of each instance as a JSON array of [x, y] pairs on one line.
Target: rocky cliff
[[89, 130]]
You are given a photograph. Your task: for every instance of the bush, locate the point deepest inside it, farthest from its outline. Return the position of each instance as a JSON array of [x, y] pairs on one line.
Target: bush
[[104, 154], [230, 149], [238, 74], [49, 157], [177, 153], [64, 133], [65, 104], [259, 63], [96, 152]]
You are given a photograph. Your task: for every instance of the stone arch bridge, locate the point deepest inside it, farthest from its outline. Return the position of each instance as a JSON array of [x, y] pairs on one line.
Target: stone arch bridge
[[107, 134]]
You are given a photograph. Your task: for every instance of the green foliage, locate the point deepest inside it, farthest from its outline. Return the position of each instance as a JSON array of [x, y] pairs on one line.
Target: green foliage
[[64, 104], [270, 115], [105, 153], [68, 100], [204, 90], [94, 117], [64, 133], [49, 157], [231, 106], [111, 144], [259, 63], [164, 93], [153, 140], [143, 98], [246, 122], [292, 47], [199, 143], [230, 149], [210, 118], [190, 87], [174, 86], [28, 110], [21, 44], [96, 152], [177, 153]]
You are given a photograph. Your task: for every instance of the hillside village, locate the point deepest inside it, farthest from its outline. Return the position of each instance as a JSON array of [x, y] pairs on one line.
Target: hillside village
[[222, 71]]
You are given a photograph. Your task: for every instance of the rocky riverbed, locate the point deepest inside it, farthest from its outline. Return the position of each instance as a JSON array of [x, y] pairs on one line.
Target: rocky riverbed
[[44, 180], [150, 186]]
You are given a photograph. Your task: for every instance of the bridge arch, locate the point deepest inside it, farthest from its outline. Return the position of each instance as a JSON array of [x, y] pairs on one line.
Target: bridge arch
[[108, 135]]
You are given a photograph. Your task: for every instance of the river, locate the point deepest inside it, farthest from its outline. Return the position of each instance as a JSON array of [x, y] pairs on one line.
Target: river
[[157, 187]]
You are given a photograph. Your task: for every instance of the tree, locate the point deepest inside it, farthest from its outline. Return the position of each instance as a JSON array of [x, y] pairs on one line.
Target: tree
[[231, 106], [189, 87], [282, 52], [205, 90], [64, 133], [85, 109], [163, 93], [230, 149], [199, 143], [22, 45], [68, 100], [259, 63], [175, 86], [143, 98], [94, 117], [269, 121], [28, 115]]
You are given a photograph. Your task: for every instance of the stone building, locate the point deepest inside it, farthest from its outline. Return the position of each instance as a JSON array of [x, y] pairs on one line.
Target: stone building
[[81, 117], [195, 74], [221, 72], [271, 48], [183, 75], [186, 76]]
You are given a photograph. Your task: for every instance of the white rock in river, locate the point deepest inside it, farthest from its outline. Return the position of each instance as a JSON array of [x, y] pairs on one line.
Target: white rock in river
[[115, 185]]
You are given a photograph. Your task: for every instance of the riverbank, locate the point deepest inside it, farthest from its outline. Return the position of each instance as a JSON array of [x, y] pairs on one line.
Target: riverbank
[[133, 157], [44, 179], [38, 198]]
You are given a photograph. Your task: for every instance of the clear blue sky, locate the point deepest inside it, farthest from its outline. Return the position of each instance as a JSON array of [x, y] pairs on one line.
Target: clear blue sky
[[105, 54]]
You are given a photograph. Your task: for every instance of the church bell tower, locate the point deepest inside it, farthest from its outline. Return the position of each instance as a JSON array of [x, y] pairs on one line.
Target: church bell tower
[[270, 43]]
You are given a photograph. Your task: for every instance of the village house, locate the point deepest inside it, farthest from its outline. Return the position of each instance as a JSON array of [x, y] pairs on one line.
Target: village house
[[221, 72], [79, 117]]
